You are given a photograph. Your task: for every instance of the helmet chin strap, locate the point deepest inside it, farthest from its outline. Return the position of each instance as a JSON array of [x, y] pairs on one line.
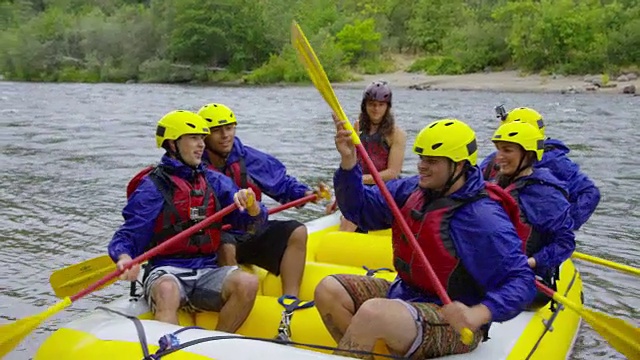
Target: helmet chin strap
[[506, 180], [453, 178], [176, 154]]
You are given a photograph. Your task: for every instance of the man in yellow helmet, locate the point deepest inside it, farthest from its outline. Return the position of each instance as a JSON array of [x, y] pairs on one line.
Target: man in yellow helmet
[[584, 196], [465, 228], [281, 246], [165, 200]]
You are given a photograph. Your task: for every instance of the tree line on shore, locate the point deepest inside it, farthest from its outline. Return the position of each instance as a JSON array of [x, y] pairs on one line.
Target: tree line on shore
[[226, 40]]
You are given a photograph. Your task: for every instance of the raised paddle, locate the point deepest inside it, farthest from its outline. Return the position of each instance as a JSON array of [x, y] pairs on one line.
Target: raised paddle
[[11, 334], [610, 264], [69, 280], [622, 336], [321, 82]]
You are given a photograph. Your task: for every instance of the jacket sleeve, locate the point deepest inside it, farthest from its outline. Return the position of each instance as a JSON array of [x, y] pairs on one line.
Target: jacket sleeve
[[584, 197], [225, 189], [271, 176], [490, 250], [549, 212], [140, 215], [365, 206], [486, 161]]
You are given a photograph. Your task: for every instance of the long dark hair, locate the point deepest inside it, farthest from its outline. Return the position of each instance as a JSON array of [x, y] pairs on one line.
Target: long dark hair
[[386, 125]]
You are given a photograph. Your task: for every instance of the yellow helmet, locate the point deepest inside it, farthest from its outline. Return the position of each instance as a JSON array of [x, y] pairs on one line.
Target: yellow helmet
[[526, 115], [450, 138], [178, 123], [523, 134], [217, 115]]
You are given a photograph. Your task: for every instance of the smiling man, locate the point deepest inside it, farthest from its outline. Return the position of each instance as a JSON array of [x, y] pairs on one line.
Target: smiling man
[[281, 246], [465, 229], [165, 200]]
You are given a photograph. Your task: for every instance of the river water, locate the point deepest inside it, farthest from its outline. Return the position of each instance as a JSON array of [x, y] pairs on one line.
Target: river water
[[68, 150]]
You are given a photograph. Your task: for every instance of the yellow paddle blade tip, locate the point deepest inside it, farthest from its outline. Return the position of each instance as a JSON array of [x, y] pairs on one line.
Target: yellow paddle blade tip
[[467, 336], [13, 333]]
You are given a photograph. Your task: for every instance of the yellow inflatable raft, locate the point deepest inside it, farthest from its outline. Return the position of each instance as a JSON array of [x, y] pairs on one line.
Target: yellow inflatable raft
[[123, 329]]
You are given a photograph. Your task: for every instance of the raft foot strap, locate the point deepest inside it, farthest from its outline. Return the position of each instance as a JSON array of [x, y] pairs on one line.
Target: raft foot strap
[[372, 272], [142, 337], [284, 329]]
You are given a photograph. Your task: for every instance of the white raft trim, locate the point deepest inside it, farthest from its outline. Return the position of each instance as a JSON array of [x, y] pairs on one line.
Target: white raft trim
[[109, 326]]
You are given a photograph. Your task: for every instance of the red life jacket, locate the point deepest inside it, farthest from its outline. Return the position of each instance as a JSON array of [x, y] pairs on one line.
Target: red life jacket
[[237, 171], [378, 151], [185, 204], [430, 226], [532, 239]]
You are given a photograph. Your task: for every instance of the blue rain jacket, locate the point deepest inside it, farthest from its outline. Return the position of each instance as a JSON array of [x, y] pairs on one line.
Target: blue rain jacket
[[484, 238], [547, 210], [268, 173], [584, 196], [146, 204]]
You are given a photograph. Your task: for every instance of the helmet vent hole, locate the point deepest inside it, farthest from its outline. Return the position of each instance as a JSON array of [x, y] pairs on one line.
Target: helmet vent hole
[[434, 124], [512, 134], [191, 125], [435, 146], [448, 123]]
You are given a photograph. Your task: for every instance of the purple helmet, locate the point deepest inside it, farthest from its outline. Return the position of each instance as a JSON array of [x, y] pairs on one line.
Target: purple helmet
[[377, 91]]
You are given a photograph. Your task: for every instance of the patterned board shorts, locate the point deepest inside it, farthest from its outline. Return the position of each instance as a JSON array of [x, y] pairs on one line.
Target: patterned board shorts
[[435, 337], [200, 290]]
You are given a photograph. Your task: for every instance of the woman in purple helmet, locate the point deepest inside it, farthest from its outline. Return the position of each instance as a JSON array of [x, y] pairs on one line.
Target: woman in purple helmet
[[381, 137], [384, 141]]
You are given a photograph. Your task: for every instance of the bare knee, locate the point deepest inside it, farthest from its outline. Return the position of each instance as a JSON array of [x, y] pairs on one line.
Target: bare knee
[[298, 237], [166, 294], [386, 319], [371, 311], [242, 284], [330, 293]]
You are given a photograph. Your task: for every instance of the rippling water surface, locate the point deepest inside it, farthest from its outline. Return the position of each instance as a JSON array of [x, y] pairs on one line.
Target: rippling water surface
[[68, 150]]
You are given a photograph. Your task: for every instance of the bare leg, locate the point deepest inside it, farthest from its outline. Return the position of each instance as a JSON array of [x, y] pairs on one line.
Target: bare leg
[[335, 307], [239, 294], [165, 293], [379, 319], [293, 260], [227, 255], [346, 225]]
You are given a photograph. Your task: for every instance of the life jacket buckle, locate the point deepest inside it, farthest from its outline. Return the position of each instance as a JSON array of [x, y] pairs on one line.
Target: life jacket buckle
[[197, 213], [417, 215]]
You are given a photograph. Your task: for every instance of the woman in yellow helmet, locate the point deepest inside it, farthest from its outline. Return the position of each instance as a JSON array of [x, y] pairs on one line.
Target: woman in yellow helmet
[[548, 238], [584, 196]]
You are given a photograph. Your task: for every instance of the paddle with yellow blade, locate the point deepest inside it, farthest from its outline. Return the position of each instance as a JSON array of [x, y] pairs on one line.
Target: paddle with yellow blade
[[610, 264], [622, 336], [68, 281], [321, 82], [11, 334]]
